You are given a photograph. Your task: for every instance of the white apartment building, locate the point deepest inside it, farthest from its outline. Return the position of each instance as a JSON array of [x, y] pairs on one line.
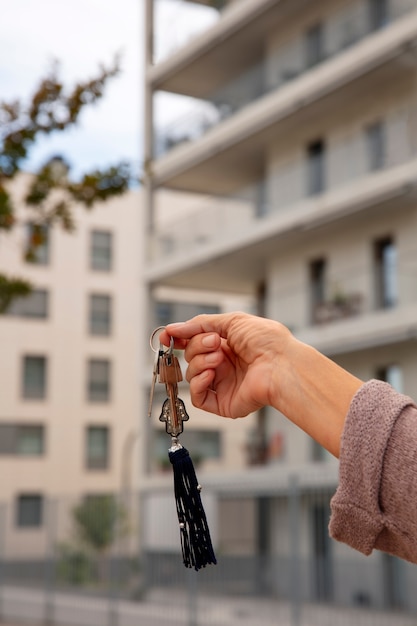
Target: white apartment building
[[69, 368], [71, 412], [302, 129]]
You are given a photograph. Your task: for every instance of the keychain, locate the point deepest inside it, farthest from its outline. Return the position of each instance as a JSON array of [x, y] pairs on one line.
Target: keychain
[[197, 549]]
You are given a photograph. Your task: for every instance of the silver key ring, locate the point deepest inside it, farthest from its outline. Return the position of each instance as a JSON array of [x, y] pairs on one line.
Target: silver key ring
[[156, 350]]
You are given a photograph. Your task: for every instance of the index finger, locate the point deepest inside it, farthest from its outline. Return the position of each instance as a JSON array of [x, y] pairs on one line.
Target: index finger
[[165, 339], [218, 323], [182, 332]]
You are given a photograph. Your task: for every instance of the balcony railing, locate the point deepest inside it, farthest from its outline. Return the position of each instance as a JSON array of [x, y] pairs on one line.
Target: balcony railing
[[343, 29], [340, 307], [351, 293], [346, 163], [179, 21]]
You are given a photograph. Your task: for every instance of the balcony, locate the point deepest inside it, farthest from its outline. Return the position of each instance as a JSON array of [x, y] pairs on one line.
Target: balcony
[[221, 143], [224, 242], [341, 307], [370, 329], [353, 314], [178, 22], [197, 42]]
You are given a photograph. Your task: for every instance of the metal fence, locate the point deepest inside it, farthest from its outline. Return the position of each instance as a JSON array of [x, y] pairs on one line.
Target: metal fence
[[85, 566]]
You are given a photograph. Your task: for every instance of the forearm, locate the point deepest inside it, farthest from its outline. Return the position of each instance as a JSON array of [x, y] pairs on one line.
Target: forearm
[[315, 393]]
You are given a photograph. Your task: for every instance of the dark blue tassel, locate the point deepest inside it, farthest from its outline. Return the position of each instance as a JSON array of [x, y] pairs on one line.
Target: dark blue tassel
[[197, 549]]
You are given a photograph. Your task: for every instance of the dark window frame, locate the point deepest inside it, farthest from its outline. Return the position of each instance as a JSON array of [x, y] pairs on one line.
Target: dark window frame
[[101, 252], [29, 510], [41, 254], [385, 272], [100, 462], [100, 319], [24, 306], [28, 389], [12, 436], [99, 390], [316, 167]]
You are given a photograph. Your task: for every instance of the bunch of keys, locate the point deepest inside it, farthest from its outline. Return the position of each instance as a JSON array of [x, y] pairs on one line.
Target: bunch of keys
[[197, 549], [167, 370]]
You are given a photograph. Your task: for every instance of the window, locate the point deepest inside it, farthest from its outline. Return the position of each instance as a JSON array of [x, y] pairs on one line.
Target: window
[[38, 244], [320, 454], [317, 286], [21, 439], [315, 167], [378, 14], [34, 305], [34, 377], [321, 551], [261, 199], [99, 380], [385, 263], [101, 250], [204, 444], [100, 314], [167, 312], [375, 146], [314, 45], [97, 447], [391, 374], [29, 511]]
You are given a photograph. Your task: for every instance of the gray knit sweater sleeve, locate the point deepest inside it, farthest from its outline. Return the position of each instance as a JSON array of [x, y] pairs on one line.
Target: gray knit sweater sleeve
[[375, 505]]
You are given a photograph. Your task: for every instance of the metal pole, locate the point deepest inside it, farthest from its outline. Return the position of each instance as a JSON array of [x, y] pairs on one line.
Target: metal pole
[[113, 555], [294, 529], [148, 117], [2, 554], [192, 597], [51, 515]]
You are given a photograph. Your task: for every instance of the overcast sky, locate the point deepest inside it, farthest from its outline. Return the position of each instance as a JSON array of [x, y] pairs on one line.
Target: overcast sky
[[81, 34]]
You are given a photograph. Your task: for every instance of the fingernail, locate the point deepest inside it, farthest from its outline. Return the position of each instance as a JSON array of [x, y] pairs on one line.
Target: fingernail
[[209, 341]]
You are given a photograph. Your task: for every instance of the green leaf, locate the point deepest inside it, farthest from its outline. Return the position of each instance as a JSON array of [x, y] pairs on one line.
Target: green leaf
[[6, 210], [10, 289]]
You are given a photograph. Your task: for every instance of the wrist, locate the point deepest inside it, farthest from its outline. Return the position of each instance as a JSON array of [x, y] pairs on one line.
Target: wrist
[[314, 393]]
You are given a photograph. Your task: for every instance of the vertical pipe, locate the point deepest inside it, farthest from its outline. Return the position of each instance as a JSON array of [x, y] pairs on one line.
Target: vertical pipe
[[149, 242], [294, 529], [142, 553], [113, 578], [2, 554], [263, 545], [261, 444], [49, 577], [192, 597], [148, 113]]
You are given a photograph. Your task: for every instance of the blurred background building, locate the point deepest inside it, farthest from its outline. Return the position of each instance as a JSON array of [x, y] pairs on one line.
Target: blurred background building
[[299, 128], [69, 367], [284, 185]]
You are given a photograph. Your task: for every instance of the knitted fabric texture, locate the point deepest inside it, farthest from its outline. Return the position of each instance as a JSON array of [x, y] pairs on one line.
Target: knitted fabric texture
[[375, 505]]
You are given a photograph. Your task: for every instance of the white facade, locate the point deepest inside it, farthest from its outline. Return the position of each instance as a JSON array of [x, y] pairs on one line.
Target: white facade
[[302, 130], [76, 429]]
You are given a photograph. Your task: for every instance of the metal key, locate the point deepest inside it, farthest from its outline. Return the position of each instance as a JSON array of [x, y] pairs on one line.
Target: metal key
[[173, 410], [155, 373]]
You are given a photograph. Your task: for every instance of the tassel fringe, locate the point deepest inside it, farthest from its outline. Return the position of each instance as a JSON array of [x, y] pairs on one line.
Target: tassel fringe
[[197, 549]]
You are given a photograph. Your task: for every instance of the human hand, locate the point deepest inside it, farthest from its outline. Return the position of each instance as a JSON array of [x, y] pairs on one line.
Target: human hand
[[232, 360], [238, 363]]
